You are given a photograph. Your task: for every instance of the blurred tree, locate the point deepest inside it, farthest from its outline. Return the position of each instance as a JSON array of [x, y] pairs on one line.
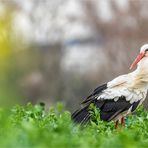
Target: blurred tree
[[36, 72], [9, 92], [124, 33]]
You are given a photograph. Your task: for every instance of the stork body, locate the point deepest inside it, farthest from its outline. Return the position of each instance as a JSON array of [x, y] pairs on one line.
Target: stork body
[[121, 96]]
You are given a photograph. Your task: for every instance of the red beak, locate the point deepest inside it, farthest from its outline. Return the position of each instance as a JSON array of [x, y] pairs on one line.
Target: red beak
[[137, 60]]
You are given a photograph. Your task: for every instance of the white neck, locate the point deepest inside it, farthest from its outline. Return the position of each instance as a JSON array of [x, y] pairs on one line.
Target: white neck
[[140, 75]]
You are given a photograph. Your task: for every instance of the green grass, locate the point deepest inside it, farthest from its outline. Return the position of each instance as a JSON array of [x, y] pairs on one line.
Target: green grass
[[34, 127]]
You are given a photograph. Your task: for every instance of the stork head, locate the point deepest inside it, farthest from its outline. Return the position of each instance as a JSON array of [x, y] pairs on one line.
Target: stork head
[[143, 53]]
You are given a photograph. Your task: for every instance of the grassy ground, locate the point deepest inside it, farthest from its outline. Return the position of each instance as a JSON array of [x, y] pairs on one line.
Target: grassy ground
[[33, 127]]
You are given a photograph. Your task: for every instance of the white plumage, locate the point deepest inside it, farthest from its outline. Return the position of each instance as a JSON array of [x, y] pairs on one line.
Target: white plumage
[[122, 95], [123, 86]]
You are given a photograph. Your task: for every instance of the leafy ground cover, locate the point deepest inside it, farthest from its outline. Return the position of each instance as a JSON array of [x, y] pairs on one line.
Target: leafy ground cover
[[36, 127]]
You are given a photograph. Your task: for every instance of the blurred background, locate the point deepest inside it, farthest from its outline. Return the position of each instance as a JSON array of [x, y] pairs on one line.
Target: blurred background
[[60, 50]]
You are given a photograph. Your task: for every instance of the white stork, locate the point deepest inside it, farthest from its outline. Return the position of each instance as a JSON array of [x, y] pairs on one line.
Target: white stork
[[119, 97]]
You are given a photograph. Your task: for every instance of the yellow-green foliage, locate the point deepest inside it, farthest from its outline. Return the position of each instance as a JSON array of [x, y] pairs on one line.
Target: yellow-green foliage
[[7, 62], [6, 44], [34, 127]]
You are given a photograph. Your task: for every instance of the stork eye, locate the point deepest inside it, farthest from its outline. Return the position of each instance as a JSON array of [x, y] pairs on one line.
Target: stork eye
[[146, 50]]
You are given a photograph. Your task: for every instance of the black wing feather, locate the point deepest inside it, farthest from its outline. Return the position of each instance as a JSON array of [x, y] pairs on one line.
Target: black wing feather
[[112, 109], [97, 91], [82, 114], [135, 105], [109, 109]]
